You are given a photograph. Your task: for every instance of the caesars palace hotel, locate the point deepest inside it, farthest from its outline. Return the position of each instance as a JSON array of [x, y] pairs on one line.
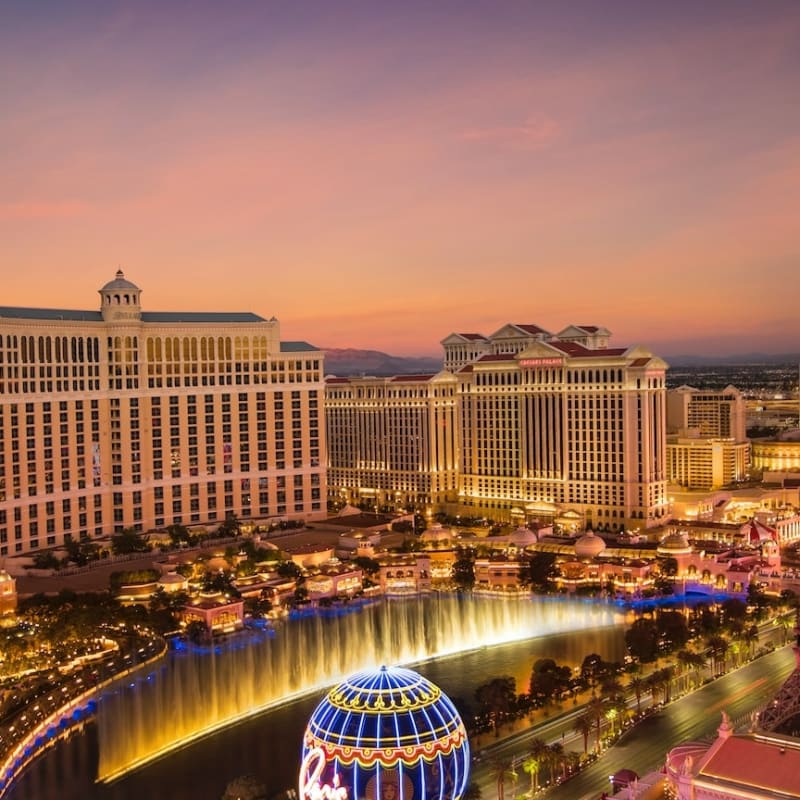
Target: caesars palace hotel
[[123, 418], [523, 425]]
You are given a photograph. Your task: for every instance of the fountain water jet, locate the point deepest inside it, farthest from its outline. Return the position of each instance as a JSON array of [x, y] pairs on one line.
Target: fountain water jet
[[198, 690]]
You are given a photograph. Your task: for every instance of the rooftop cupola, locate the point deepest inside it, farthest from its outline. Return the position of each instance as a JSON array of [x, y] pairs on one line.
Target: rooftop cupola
[[120, 300]]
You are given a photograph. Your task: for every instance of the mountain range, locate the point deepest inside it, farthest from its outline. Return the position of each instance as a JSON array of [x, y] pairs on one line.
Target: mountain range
[[352, 361]]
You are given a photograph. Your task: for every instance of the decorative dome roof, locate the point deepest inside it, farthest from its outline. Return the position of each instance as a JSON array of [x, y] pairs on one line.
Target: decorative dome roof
[[522, 537], [120, 284], [386, 727], [589, 545]]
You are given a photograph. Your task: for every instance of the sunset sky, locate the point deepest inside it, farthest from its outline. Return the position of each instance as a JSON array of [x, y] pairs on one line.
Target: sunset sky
[[377, 175]]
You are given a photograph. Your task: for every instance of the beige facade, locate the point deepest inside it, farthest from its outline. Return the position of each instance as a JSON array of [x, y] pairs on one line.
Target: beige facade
[[695, 463], [720, 415], [558, 424], [392, 442], [776, 456], [523, 425], [124, 418]]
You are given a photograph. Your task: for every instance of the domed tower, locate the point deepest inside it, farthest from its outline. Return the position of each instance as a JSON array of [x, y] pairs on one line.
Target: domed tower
[[120, 300], [387, 734]]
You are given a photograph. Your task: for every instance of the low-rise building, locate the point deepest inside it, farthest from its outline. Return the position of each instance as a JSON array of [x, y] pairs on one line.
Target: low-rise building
[[335, 580], [220, 614], [407, 573], [498, 573]]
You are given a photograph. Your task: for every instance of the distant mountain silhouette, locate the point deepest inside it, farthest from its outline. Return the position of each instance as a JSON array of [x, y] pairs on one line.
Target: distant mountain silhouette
[[741, 359], [349, 361]]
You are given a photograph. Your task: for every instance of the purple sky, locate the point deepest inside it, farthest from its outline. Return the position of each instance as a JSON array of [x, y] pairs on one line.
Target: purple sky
[[379, 175]]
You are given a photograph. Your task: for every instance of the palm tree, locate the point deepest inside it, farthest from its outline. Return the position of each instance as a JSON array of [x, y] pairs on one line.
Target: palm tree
[[499, 768], [531, 765], [583, 726], [786, 622], [596, 709], [611, 686], [539, 752], [667, 674], [638, 685], [558, 759], [751, 638], [717, 648]]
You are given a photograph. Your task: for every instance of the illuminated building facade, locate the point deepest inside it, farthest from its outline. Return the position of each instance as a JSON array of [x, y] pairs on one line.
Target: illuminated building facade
[[707, 447], [522, 425], [123, 418], [777, 456], [392, 441], [719, 415], [8, 596], [696, 463], [557, 424]]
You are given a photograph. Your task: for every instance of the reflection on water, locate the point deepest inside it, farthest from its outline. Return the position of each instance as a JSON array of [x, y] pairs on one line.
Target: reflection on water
[[268, 745]]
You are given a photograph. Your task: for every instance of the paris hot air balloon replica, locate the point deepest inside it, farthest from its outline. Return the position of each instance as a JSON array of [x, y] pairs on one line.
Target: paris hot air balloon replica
[[386, 734]]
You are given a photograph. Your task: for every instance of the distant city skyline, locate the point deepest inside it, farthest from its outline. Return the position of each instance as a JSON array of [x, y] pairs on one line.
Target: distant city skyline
[[380, 175]]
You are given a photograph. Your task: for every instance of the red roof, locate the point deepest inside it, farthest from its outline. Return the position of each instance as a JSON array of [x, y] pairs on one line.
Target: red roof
[[473, 336], [640, 362], [588, 328], [403, 378], [337, 380], [468, 368], [579, 351], [528, 328], [498, 357], [757, 763]]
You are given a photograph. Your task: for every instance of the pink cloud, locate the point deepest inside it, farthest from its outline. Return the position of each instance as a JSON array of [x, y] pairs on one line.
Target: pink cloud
[[532, 134], [29, 210]]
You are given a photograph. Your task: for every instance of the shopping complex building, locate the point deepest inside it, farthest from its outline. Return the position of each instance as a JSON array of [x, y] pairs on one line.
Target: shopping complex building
[[520, 426], [122, 418]]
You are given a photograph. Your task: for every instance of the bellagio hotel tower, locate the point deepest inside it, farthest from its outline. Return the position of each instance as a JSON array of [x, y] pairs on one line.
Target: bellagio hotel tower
[[522, 425], [123, 418]]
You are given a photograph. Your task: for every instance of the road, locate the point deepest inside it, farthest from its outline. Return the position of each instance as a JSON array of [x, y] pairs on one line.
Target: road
[[695, 716]]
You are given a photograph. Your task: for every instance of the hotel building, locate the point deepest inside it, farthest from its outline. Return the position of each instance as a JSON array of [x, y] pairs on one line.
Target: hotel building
[[696, 463], [717, 415], [392, 442], [531, 426], [707, 446], [123, 418]]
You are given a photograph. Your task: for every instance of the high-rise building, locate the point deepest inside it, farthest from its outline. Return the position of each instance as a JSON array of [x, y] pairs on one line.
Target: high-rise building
[[714, 414], [562, 428], [548, 427], [707, 447], [697, 463], [123, 418], [392, 441]]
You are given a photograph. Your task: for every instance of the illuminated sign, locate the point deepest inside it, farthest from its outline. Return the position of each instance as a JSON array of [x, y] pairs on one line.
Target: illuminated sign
[[310, 775], [541, 362]]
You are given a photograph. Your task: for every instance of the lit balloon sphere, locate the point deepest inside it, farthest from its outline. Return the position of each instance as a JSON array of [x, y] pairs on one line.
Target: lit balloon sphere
[[386, 734]]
